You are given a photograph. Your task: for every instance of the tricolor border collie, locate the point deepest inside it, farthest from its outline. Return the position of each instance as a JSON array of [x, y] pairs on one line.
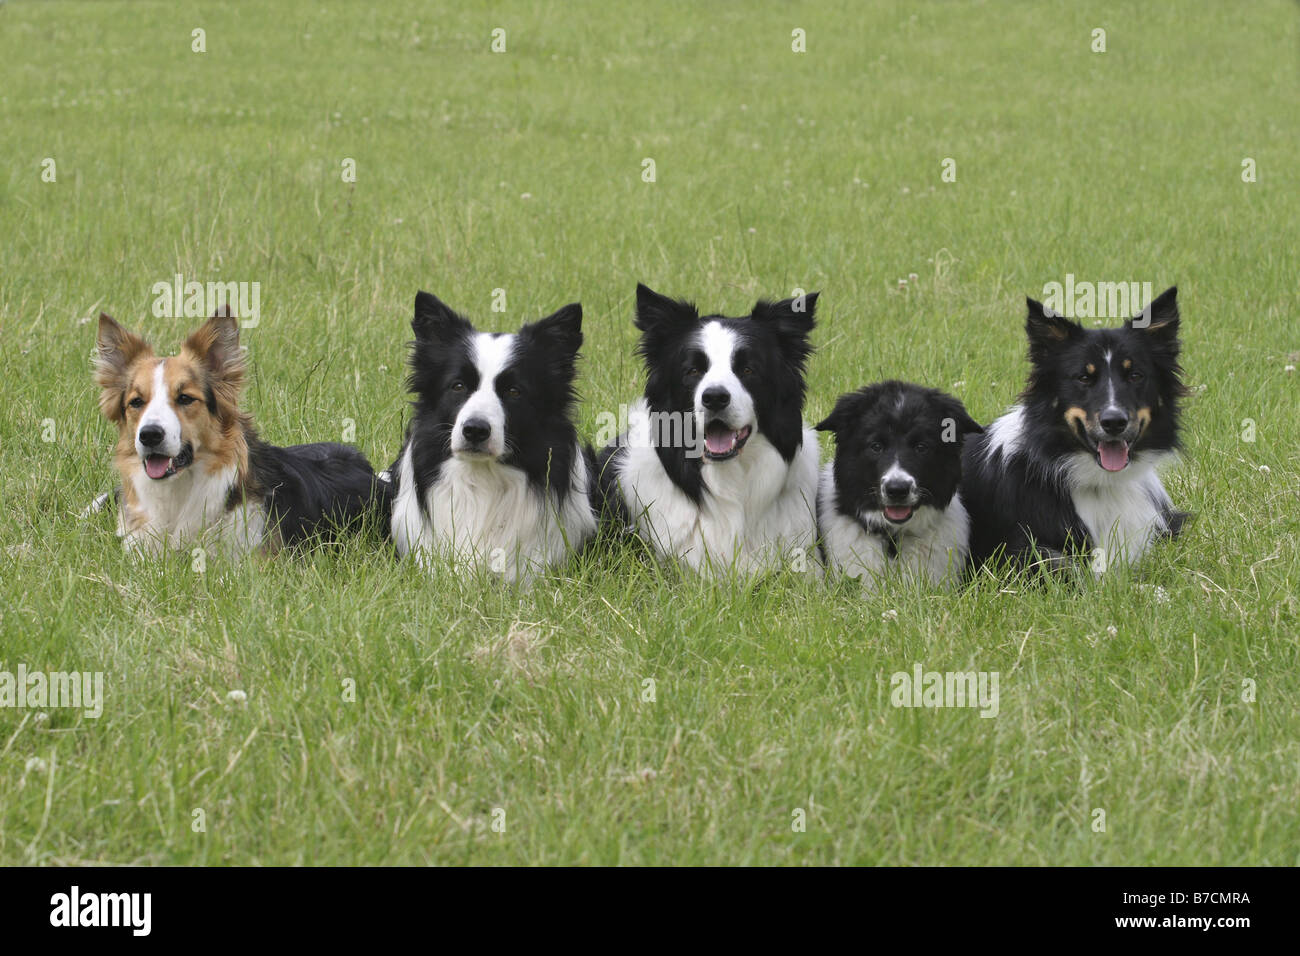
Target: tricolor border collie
[[889, 501], [1071, 469], [492, 477], [193, 469], [718, 470]]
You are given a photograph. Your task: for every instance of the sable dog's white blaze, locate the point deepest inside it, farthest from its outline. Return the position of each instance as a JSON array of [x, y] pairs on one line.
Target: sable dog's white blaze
[[160, 412]]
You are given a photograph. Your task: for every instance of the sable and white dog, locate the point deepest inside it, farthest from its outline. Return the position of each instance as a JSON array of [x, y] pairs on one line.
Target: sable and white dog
[[491, 476], [193, 469], [717, 469], [889, 501]]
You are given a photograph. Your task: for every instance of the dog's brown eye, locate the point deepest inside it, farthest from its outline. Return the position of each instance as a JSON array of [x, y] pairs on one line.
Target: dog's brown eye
[[458, 386], [1085, 379], [136, 402], [184, 399], [513, 392], [692, 370], [876, 447], [920, 448], [1135, 376], [746, 372]]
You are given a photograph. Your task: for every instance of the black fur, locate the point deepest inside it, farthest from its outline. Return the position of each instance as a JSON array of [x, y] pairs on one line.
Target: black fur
[[922, 429], [774, 345], [1021, 505], [322, 489], [539, 431]]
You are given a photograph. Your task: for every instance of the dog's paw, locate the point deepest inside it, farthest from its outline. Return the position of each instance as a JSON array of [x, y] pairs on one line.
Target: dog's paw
[[1175, 521], [100, 503]]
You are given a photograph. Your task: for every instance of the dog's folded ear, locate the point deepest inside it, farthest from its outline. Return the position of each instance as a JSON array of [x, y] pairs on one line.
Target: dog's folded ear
[[435, 321], [561, 329], [847, 408], [1160, 318], [954, 412], [116, 349]]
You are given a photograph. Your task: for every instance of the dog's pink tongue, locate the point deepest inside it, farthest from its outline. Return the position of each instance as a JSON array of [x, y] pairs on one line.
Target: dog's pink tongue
[[1114, 455], [898, 512], [719, 441], [155, 466]]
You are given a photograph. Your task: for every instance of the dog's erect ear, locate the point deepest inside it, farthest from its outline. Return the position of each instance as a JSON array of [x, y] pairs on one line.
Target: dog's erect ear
[[793, 316], [435, 321], [1160, 318], [657, 313], [562, 330], [791, 320], [116, 349], [1157, 325], [1046, 329], [848, 407], [215, 344]]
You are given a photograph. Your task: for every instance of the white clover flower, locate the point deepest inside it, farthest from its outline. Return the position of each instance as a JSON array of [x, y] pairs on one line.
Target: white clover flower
[[890, 615], [1111, 630], [237, 697], [34, 765]]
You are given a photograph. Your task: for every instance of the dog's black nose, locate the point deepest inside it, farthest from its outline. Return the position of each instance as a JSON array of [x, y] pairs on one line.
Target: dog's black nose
[[898, 488], [151, 436], [716, 398], [1113, 421], [476, 431]]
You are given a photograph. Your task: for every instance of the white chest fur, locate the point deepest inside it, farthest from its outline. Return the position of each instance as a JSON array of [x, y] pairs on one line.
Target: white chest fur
[[1123, 511], [757, 511], [189, 510], [932, 546], [484, 516]]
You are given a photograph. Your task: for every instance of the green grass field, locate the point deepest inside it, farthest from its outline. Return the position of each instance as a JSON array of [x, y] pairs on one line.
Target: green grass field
[[522, 171]]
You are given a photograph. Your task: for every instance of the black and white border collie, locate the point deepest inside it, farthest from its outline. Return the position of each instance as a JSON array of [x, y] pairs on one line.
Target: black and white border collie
[[1071, 469], [889, 501], [193, 469], [492, 477], [717, 469]]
